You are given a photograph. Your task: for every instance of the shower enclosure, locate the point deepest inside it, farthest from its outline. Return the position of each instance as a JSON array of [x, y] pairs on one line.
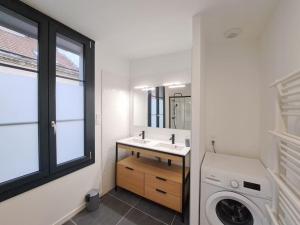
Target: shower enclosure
[[180, 112]]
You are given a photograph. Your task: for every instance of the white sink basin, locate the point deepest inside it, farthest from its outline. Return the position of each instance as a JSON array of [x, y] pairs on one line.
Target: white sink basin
[[138, 141], [169, 146]]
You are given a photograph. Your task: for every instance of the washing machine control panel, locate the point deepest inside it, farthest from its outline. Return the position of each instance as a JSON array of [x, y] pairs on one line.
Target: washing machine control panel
[[255, 187], [244, 184], [252, 186], [234, 184]]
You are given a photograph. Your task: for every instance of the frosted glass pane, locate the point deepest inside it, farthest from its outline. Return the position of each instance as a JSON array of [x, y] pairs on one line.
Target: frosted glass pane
[[18, 96], [153, 120], [153, 105], [69, 140], [19, 154], [161, 121], [69, 99], [161, 106]]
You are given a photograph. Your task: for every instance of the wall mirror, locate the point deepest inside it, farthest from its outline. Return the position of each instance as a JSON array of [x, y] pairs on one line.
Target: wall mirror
[[165, 106]]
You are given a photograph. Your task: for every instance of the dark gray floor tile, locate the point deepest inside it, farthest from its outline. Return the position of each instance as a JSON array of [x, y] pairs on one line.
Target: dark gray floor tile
[[68, 223], [111, 210], [84, 218], [126, 196], [155, 210], [178, 220], [135, 217]]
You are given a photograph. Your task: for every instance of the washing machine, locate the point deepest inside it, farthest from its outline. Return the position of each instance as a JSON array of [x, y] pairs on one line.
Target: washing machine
[[234, 191]]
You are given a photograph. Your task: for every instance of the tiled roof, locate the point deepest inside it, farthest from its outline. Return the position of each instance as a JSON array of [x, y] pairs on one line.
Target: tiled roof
[[27, 47]]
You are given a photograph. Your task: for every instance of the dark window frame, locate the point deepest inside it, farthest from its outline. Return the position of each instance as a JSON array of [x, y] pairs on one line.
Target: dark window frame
[[58, 28], [47, 171], [174, 97], [157, 97]]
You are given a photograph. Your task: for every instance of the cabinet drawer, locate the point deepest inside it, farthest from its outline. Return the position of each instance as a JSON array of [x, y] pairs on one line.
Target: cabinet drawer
[[163, 198], [130, 179], [163, 184], [124, 147]]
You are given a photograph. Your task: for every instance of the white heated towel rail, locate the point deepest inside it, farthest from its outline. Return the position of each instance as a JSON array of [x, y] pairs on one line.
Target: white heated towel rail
[[287, 178]]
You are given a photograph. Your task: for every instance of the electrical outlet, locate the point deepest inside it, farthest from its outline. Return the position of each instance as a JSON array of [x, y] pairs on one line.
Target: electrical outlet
[[212, 138], [212, 142]]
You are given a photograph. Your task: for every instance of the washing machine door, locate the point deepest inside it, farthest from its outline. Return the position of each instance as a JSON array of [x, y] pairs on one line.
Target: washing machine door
[[230, 208]]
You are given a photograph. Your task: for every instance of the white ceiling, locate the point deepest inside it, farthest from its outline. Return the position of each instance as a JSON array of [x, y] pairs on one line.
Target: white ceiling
[[249, 15], [129, 28], [141, 28]]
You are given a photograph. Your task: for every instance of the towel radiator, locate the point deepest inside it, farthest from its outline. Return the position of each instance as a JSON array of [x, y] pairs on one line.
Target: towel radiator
[[286, 211]]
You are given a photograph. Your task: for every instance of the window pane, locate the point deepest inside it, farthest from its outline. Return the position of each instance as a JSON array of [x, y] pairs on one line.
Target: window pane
[[153, 105], [161, 121], [69, 58], [70, 140], [161, 106], [18, 40], [69, 100], [19, 140], [19, 151], [153, 120], [18, 96]]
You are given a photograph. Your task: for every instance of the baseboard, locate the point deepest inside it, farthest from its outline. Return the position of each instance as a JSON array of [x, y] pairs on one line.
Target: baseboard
[[70, 215]]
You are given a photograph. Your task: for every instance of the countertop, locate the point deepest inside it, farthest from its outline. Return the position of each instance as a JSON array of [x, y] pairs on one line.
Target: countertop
[[152, 144]]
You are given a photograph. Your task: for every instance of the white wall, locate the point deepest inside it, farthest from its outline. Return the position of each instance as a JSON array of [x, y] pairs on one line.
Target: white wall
[[163, 134], [233, 97], [156, 70], [56, 201], [115, 125], [114, 111], [198, 115], [280, 51]]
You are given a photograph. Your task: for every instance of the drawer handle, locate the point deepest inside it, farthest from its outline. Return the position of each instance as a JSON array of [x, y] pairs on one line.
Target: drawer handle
[[129, 168], [160, 191], [160, 178]]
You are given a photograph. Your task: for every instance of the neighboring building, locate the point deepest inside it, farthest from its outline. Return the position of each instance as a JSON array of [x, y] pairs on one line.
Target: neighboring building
[[21, 51]]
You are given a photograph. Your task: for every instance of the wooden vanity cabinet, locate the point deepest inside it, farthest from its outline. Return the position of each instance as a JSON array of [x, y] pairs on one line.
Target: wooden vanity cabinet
[[131, 179], [153, 180]]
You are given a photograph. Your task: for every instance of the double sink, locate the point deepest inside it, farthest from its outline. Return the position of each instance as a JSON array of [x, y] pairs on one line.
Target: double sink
[[157, 145], [164, 146]]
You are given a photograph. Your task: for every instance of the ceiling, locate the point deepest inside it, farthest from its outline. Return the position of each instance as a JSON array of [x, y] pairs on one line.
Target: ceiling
[[129, 28], [249, 15], [142, 28]]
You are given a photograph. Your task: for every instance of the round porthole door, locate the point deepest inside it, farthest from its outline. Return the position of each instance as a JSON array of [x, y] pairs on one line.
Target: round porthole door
[[229, 208]]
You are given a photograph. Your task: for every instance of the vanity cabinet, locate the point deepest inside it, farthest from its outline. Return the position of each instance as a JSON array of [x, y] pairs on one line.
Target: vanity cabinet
[[152, 178], [131, 179]]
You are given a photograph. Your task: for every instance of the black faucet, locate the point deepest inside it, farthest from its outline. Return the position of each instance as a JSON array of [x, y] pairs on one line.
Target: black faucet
[[172, 138], [142, 134]]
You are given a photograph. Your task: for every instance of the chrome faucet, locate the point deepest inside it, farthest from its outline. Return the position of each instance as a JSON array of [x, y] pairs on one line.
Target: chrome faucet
[[142, 134], [172, 138]]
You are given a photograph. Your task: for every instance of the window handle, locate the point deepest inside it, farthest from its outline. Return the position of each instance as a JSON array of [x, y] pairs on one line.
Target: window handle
[[53, 125]]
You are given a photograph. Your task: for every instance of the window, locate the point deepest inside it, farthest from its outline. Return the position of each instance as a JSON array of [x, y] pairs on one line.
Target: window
[[19, 99], [71, 108], [47, 99], [69, 100], [156, 107]]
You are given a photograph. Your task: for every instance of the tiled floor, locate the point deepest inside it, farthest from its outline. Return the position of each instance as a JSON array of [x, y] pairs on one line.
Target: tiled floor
[[125, 208]]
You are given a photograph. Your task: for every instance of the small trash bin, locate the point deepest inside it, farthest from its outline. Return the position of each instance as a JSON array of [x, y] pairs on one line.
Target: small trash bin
[[92, 200]]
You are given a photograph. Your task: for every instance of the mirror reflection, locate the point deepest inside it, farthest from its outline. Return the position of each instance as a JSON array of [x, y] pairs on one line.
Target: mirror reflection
[[166, 106]]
